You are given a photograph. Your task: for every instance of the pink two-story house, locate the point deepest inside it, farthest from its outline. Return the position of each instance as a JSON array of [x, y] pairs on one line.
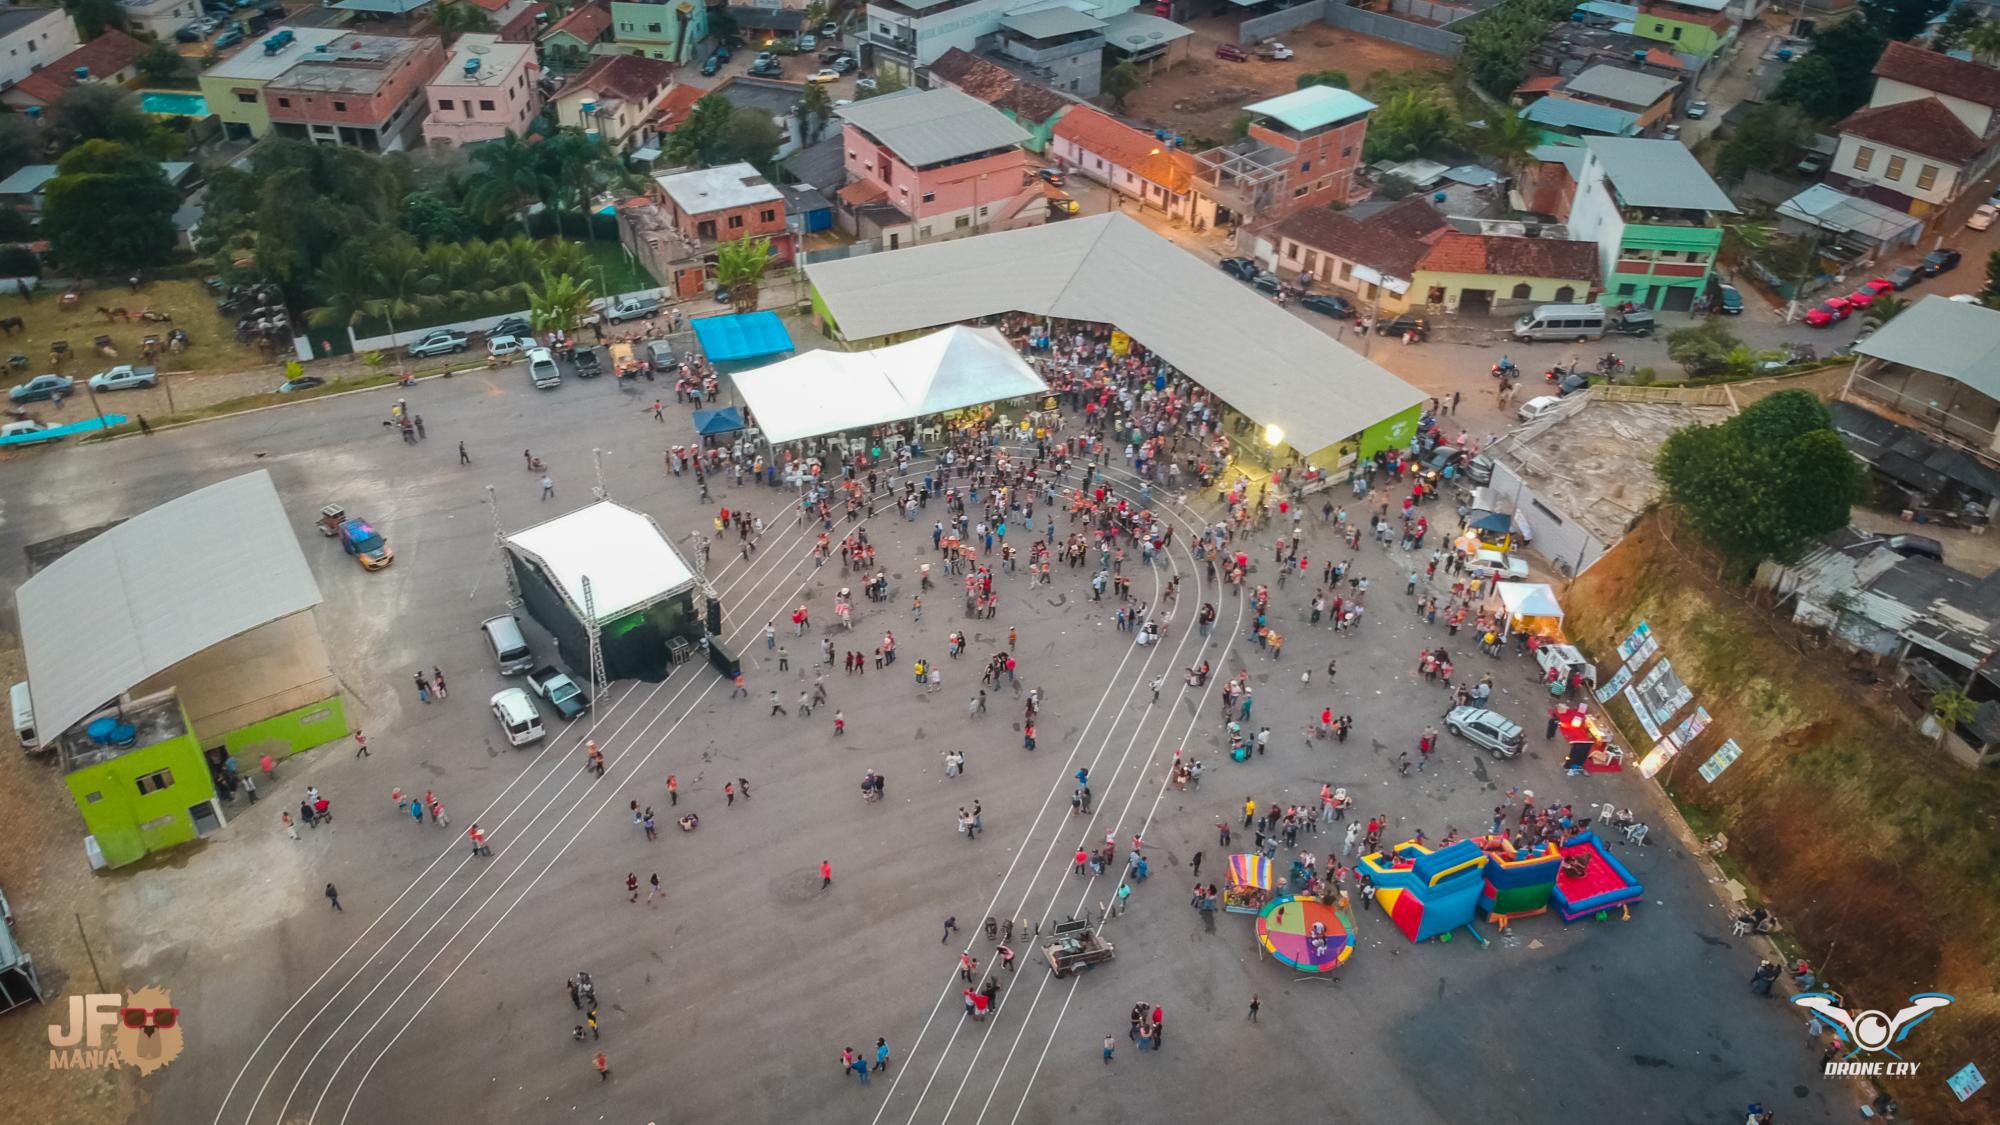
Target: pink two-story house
[[485, 89], [723, 204], [360, 90], [934, 164]]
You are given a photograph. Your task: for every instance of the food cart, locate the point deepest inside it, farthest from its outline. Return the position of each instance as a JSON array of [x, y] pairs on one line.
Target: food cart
[[1075, 947], [1248, 884], [1587, 742]]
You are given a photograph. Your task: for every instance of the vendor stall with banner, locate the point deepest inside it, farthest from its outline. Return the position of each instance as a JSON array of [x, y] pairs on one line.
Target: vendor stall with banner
[[1248, 885], [1587, 741]]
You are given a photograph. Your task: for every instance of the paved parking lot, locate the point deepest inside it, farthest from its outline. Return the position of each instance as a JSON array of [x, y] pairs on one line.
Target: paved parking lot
[[441, 984]]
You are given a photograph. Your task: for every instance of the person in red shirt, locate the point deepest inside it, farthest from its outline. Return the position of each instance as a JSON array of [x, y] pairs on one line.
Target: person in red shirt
[[825, 874]]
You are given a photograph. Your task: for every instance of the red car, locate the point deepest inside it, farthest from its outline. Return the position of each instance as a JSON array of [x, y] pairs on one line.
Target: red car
[[1821, 315], [1861, 298], [1231, 52], [1879, 286]]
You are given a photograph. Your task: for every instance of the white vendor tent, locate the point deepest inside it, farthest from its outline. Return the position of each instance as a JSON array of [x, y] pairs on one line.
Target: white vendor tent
[[831, 392], [1529, 599]]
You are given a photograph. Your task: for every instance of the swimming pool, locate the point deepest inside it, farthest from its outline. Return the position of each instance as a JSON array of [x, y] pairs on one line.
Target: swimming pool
[[173, 104]]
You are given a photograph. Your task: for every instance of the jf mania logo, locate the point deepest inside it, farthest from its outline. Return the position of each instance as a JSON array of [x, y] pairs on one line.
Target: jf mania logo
[[106, 1030], [1871, 1032]]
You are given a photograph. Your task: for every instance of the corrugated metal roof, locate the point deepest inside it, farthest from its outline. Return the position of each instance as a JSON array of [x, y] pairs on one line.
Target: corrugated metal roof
[[147, 594], [933, 126], [1945, 337], [1312, 107], [1657, 173], [1627, 87], [1835, 210], [1112, 269], [1137, 31], [1562, 113], [1051, 22]]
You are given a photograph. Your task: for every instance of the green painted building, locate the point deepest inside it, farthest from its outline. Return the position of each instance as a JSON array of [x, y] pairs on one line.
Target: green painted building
[[1688, 27], [162, 646], [669, 30], [1656, 217]]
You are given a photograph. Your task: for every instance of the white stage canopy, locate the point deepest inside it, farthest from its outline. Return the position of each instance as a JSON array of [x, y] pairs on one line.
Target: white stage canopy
[[1529, 599], [831, 392]]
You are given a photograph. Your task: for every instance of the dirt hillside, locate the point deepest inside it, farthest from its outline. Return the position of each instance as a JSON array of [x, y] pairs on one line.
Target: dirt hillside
[[1879, 853]]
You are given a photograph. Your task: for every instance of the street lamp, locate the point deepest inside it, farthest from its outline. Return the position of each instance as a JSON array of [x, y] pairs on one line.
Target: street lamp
[[1273, 436]]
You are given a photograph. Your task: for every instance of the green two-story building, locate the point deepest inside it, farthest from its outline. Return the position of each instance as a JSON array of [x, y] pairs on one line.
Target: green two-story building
[[1688, 27], [1656, 217], [668, 30]]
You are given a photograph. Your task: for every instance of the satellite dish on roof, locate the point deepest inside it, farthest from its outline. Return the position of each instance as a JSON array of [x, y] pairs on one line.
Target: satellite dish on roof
[[477, 49]]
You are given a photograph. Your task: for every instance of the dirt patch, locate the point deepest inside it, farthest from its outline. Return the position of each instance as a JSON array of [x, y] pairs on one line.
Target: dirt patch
[[212, 342], [1868, 842], [1200, 95]]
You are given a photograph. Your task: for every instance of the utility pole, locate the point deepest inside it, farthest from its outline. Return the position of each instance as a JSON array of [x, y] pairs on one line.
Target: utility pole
[[1374, 318], [500, 550]]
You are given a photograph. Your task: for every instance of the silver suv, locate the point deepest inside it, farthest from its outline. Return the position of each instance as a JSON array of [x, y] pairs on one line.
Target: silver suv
[[1490, 730]]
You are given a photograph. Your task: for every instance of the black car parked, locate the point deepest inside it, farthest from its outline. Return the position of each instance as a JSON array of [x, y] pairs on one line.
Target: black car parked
[[1938, 261], [1242, 269], [1403, 324], [1337, 307]]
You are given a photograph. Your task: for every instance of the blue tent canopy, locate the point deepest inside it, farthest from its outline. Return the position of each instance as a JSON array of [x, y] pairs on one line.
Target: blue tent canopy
[[743, 336], [726, 420]]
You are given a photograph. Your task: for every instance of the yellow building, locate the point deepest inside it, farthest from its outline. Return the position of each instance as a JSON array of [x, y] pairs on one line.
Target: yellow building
[[234, 87], [1481, 273]]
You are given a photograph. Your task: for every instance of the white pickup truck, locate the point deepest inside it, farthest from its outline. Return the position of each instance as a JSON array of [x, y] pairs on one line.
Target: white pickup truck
[[631, 308], [123, 377], [554, 685]]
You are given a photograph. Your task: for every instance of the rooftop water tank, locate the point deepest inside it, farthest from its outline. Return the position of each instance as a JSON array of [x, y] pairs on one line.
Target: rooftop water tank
[[471, 67]]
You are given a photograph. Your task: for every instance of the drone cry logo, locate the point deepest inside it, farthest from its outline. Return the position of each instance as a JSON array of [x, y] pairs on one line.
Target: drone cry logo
[[145, 1032], [1870, 1031]]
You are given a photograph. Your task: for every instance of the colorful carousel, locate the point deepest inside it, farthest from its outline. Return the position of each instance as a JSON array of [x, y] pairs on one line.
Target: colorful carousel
[[1304, 933]]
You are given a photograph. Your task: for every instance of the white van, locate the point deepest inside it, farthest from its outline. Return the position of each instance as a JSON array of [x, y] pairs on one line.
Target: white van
[[510, 648], [517, 715], [1561, 322], [1539, 407], [24, 715]]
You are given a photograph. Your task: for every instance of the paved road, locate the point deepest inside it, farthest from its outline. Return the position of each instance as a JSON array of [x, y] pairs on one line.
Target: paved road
[[440, 986]]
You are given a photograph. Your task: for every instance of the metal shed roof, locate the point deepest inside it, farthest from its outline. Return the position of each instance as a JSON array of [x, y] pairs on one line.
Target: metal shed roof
[[1051, 22], [1110, 268], [1627, 87], [1562, 113], [1945, 337], [933, 126], [1312, 107], [147, 594], [1657, 173]]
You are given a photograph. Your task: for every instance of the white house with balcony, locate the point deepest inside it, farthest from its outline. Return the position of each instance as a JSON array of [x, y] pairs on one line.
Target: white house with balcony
[[1930, 130]]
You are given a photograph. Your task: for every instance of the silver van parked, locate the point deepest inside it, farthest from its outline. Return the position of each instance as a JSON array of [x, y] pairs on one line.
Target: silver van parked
[[1561, 322], [510, 647]]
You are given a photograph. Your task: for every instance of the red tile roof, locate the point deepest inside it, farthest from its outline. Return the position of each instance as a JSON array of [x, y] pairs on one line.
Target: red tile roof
[[1940, 73], [1135, 150], [673, 109], [1508, 256], [996, 86], [1393, 239], [103, 57], [632, 78], [1660, 56], [587, 23], [1923, 126], [523, 28], [1539, 84]]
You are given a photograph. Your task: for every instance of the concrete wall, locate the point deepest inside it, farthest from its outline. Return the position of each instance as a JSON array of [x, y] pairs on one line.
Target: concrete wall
[[1434, 11], [1277, 23], [1566, 544], [1423, 37]]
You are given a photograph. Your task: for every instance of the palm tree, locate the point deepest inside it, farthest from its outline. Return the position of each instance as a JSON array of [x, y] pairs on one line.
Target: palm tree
[[406, 287], [739, 266], [346, 278], [578, 166], [558, 303], [453, 18], [1510, 140], [1882, 310], [510, 178], [1983, 40], [815, 110], [1953, 709], [559, 255]]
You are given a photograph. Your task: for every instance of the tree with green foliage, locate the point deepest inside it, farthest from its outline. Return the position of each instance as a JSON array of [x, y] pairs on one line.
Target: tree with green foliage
[[815, 111], [1510, 139], [1703, 349], [559, 303], [1499, 41], [1334, 78], [1953, 709], [430, 218], [93, 111], [162, 65], [1835, 79], [1902, 19], [1983, 40], [1990, 296], [739, 266], [1764, 483], [887, 81], [453, 18], [752, 136], [512, 177], [21, 144], [1410, 124], [296, 204], [579, 166], [1120, 82], [95, 17], [109, 207], [1950, 35], [701, 137], [1769, 136]]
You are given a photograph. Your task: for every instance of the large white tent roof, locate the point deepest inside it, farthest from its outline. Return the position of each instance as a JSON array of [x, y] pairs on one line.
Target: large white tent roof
[[1262, 360], [625, 555], [155, 590], [828, 392], [1529, 599]]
